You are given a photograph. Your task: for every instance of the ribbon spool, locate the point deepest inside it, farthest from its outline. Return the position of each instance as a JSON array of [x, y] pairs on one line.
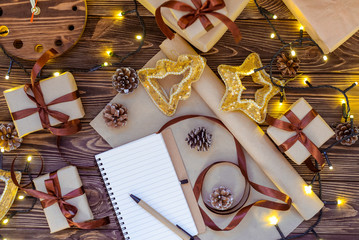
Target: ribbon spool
[[229, 175]]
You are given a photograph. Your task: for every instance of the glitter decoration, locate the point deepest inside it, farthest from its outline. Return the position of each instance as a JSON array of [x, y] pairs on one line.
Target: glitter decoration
[[9, 192], [232, 75], [191, 66]]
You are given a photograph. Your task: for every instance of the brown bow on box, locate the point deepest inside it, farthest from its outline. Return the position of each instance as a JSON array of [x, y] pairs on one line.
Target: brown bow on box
[[70, 127], [54, 195], [208, 7], [296, 125]]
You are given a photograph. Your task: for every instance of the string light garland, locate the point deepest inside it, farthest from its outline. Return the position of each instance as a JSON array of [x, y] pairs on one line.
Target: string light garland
[[120, 16], [301, 42], [11, 214]]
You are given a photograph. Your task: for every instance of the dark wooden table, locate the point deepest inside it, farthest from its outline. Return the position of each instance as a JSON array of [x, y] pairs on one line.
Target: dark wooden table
[[341, 70]]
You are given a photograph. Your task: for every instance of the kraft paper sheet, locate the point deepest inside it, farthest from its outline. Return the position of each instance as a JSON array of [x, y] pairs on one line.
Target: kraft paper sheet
[[271, 170]]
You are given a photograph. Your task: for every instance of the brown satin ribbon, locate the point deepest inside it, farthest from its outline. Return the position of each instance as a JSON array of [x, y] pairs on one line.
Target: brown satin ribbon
[[69, 127], [297, 125], [208, 7], [287, 201], [54, 195]]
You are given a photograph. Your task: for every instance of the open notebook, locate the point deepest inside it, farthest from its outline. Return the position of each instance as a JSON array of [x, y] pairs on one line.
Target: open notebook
[[144, 168]]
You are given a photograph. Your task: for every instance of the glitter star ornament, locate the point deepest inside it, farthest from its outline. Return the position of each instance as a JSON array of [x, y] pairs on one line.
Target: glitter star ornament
[[191, 66], [9, 192], [232, 76]]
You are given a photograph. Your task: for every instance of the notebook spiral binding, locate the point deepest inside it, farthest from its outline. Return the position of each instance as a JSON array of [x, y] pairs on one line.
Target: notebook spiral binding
[[112, 200]]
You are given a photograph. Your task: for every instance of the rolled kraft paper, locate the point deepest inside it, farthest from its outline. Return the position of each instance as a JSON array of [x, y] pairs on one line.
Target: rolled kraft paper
[[250, 135]]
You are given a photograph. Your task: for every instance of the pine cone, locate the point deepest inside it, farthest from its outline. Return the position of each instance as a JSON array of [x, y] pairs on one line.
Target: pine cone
[[343, 130], [199, 138], [287, 64], [9, 138], [125, 80], [221, 198], [115, 115]]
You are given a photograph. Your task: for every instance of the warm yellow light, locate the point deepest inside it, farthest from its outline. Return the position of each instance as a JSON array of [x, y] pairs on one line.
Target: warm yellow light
[[272, 35], [293, 53], [351, 116], [356, 83], [56, 74], [308, 189], [305, 80], [280, 103], [343, 101], [120, 15], [5, 221], [275, 16], [105, 64], [331, 167], [301, 27], [21, 197], [29, 158], [325, 58], [2, 150], [273, 220], [7, 77], [340, 201], [138, 37], [109, 53]]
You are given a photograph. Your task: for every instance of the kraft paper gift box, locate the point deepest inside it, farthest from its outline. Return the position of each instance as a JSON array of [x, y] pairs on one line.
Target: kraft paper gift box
[[318, 131], [208, 39], [69, 179], [197, 30], [52, 88], [329, 23]]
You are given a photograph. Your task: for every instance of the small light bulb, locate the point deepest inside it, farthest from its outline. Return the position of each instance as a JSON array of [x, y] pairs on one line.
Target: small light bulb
[[272, 35], [21, 197], [56, 74], [305, 80], [2, 150], [275, 16], [138, 37], [120, 15], [7, 77], [5, 221], [356, 83], [308, 189], [351, 116], [110, 53], [293, 53], [105, 64], [331, 167], [273, 220], [340, 202], [343, 101], [29, 158], [301, 27], [280, 103], [325, 58]]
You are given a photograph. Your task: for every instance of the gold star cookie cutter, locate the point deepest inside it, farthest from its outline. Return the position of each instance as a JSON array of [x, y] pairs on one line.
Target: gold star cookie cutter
[[191, 66], [9, 193], [232, 75]]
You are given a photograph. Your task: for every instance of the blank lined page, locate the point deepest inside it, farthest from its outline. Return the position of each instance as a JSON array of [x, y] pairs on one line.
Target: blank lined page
[[144, 168]]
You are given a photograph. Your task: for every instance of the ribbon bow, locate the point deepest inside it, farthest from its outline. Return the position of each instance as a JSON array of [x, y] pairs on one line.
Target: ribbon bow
[[208, 7], [70, 127], [54, 195], [296, 125]]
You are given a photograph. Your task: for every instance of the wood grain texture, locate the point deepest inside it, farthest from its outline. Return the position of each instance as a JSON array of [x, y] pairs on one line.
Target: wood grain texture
[[103, 33], [59, 25]]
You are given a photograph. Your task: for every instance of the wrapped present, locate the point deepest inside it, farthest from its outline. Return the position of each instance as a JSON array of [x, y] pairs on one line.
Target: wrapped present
[[329, 23], [61, 104], [300, 132], [204, 41], [197, 29], [64, 201]]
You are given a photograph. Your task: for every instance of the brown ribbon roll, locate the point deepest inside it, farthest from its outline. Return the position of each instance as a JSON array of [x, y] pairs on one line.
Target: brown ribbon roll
[[208, 7], [296, 125], [69, 127], [54, 195], [287, 201]]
